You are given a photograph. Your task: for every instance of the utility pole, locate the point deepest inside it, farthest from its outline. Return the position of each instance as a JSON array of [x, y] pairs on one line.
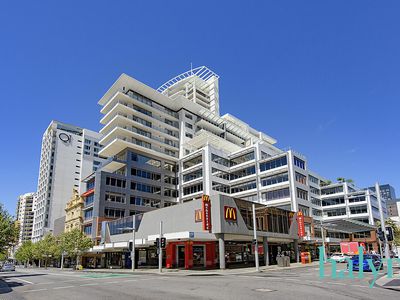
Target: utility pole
[[160, 250], [383, 227], [255, 239]]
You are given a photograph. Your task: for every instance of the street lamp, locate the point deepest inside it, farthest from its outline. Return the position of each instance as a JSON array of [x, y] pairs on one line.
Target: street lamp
[[323, 235], [255, 238]]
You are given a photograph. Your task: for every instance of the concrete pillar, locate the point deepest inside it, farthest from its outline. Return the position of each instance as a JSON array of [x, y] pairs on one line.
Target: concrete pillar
[[221, 244], [266, 252], [296, 250]]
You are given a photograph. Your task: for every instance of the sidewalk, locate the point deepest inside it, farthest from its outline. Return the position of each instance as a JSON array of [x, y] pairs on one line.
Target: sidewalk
[[182, 272]]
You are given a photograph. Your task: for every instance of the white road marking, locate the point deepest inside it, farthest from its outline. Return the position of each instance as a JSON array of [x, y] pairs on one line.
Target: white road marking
[[63, 287], [264, 290], [23, 280], [38, 290], [292, 279], [111, 282], [87, 284], [131, 280], [337, 283], [356, 285]]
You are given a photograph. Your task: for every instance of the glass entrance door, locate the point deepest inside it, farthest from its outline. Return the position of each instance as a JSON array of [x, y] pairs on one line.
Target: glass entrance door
[[198, 256]]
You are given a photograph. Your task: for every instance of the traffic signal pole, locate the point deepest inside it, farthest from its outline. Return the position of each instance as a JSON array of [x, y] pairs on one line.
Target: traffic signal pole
[[160, 250]]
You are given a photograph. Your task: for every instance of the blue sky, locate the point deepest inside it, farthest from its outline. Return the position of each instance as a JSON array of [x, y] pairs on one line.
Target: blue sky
[[320, 76]]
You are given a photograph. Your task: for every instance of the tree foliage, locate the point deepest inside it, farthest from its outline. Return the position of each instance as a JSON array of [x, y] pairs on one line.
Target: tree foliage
[[74, 243], [8, 230], [26, 252], [46, 248]]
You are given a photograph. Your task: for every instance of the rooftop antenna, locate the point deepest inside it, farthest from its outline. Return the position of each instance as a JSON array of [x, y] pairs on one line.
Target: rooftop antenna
[[191, 68]]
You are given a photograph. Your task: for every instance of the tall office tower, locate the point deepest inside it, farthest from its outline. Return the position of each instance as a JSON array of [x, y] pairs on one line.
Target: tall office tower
[[387, 191], [69, 154], [25, 217], [171, 145]]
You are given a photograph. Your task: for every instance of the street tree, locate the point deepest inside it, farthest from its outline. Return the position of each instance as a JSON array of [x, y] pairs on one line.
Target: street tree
[[8, 230], [46, 248], [26, 252], [74, 243]]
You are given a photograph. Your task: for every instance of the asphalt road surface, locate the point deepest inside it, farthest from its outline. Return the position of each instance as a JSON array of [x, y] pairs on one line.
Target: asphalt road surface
[[300, 283]]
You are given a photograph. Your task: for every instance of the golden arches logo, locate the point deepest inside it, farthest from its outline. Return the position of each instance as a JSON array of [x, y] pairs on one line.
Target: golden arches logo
[[230, 213], [198, 215], [205, 198]]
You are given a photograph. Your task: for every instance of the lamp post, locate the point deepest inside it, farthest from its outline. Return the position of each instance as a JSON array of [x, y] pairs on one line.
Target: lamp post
[[323, 236], [255, 239]]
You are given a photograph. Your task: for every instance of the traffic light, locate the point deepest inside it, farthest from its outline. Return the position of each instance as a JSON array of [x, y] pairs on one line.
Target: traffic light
[[163, 242], [130, 246], [380, 234], [389, 234], [157, 243]]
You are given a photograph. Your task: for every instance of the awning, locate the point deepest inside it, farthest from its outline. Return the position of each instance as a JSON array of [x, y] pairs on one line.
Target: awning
[[346, 226]]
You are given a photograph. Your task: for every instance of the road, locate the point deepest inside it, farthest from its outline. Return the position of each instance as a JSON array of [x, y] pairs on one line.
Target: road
[[300, 283]]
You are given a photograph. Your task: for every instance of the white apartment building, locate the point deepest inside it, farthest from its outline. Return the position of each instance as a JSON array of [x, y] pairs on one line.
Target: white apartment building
[[211, 154], [68, 155], [24, 215]]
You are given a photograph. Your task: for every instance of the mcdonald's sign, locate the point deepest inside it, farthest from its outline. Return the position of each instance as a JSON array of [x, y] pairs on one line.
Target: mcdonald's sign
[[198, 215], [300, 223], [230, 213], [206, 212]]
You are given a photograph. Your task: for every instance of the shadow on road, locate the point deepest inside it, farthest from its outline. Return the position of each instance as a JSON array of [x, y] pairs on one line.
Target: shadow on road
[[7, 287]]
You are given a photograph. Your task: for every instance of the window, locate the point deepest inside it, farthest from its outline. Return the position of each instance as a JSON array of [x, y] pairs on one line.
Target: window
[[276, 194], [192, 162], [302, 194], [187, 125], [223, 188], [283, 177], [193, 175], [89, 200], [172, 123], [189, 135], [114, 213], [193, 189], [115, 197], [88, 214], [333, 190], [220, 160], [332, 201], [90, 185], [356, 199], [243, 187], [145, 160], [142, 121], [314, 190], [170, 167], [313, 179], [170, 193], [300, 178], [189, 116], [87, 229], [305, 210], [116, 182], [299, 163], [358, 210], [146, 174], [88, 141], [336, 212], [145, 202], [220, 174], [170, 180], [282, 161], [242, 159], [316, 201], [243, 172], [87, 147], [145, 188]]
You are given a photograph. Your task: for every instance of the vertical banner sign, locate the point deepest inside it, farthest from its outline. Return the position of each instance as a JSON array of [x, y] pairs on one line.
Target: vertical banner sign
[[206, 213], [300, 223]]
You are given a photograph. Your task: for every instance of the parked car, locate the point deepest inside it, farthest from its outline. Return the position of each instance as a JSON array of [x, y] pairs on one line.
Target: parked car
[[339, 257], [376, 261], [7, 267]]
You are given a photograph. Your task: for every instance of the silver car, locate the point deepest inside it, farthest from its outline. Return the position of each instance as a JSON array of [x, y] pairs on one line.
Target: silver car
[[7, 267]]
